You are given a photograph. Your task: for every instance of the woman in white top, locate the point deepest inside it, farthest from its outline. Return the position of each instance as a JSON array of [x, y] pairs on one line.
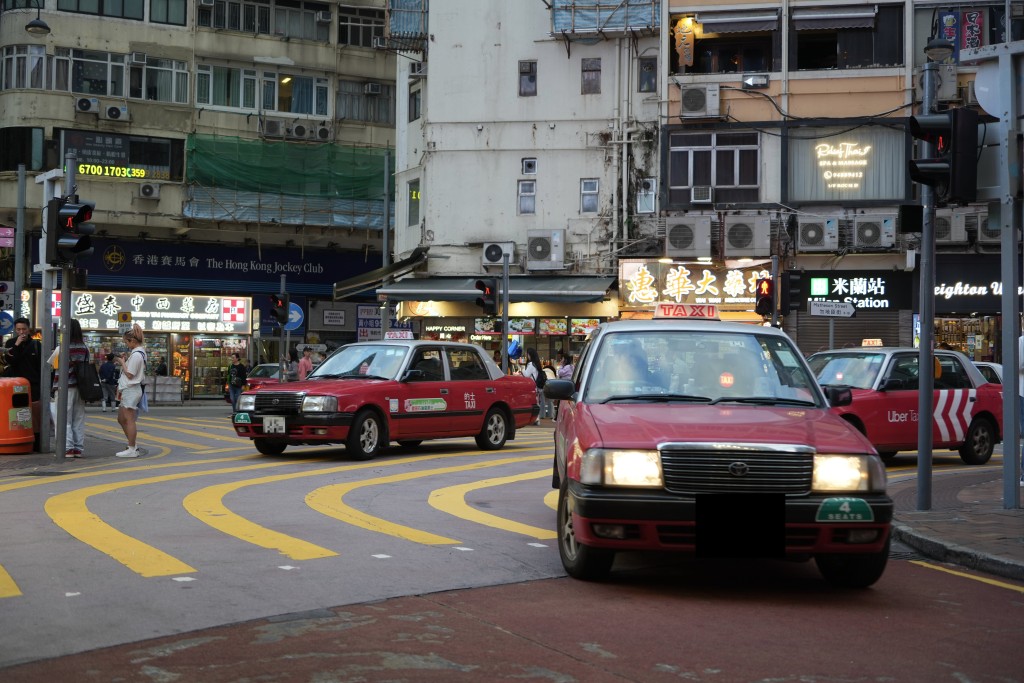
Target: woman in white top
[[129, 388]]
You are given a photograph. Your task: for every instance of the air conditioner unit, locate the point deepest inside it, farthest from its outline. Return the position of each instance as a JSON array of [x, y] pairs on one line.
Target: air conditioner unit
[[970, 97], [494, 253], [545, 249], [688, 236], [299, 131], [323, 133], [988, 233], [418, 69], [207, 3], [817, 233], [323, 17], [138, 58], [702, 194], [950, 227], [115, 112], [273, 128], [149, 191], [747, 236], [87, 105], [699, 100], [372, 89], [874, 232]]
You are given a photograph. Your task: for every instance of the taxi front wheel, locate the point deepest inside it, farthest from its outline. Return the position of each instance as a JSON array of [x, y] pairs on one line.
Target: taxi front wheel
[[364, 437], [579, 561], [979, 443]]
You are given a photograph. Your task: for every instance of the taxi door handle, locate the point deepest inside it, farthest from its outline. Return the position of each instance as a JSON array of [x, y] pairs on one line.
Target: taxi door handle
[[491, 390], [972, 399], [444, 391]]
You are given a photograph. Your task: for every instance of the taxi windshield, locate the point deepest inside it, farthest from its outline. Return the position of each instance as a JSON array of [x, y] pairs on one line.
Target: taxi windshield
[[857, 370], [358, 360], [699, 366]]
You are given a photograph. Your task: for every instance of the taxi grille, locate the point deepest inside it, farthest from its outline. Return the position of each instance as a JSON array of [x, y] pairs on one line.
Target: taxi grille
[[689, 471], [279, 403]]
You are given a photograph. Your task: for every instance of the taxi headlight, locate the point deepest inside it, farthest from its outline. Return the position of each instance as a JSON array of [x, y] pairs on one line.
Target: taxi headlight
[[247, 402], [319, 404], [621, 468], [848, 473]]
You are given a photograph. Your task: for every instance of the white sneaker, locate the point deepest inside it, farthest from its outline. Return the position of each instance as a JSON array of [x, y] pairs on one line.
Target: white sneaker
[[130, 452]]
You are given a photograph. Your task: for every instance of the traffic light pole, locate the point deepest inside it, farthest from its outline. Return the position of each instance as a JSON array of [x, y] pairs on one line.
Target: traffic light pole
[[926, 307], [61, 429], [504, 312]]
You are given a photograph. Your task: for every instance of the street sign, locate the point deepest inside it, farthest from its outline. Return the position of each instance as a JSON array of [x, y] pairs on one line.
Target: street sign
[[832, 309], [317, 348], [6, 237], [6, 322], [295, 317], [124, 322]]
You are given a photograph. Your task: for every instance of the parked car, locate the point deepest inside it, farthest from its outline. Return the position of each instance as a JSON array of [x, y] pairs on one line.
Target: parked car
[[968, 410], [368, 394], [714, 439], [993, 372], [264, 373]]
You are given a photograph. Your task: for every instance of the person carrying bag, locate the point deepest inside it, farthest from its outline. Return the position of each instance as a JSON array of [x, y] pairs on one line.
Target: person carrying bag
[[130, 391]]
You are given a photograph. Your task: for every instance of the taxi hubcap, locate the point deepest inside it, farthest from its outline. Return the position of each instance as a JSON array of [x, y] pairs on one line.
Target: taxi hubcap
[[368, 437]]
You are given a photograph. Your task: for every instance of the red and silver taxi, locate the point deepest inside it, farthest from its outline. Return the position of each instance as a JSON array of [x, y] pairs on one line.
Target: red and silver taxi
[[711, 438], [967, 412], [368, 394]]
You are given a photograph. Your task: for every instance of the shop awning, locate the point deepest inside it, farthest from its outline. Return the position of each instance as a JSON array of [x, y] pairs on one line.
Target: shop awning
[[850, 16], [374, 278], [564, 289], [738, 22]]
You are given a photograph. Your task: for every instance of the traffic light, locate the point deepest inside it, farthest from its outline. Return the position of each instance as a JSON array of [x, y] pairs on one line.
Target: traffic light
[[791, 291], [764, 297], [953, 171], [488, 299], [67, 230], [279, 305]]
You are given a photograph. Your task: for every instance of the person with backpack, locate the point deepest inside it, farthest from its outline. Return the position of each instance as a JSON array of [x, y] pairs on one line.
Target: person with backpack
[[130, 391], [534, 371], [108, 380], [78, 352]]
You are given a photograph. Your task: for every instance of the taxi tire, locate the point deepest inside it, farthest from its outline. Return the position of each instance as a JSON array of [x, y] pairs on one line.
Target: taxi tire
[[494, 433], [979, 442], [365, 436], [580, 561], [853, 571], [269, 446]]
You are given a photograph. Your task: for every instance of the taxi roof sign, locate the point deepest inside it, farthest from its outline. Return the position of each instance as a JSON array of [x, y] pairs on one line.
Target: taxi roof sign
[[686, 312]]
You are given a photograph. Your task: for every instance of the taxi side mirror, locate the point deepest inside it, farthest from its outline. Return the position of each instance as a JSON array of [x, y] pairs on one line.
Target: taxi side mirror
[[559, 389], [839, 396]]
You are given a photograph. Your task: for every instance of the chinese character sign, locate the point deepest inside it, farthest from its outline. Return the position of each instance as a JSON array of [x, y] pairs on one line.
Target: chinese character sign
[[644, 283], [159, 312]]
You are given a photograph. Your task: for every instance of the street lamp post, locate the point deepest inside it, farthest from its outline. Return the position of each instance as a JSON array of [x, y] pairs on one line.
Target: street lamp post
[[37, 26], [937, 50]]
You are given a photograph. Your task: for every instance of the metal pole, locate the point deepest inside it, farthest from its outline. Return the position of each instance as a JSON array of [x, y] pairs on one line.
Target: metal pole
[[48, 277], [282, 363], [19, 247], [505, 302], [775, 292], [65, 328], [926, 307], [385, 241]]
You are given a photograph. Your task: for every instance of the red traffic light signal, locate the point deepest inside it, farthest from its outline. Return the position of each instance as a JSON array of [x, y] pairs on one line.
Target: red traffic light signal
[[279, 305], [488, 299], [953, 169], [67, 230], [764, 297]]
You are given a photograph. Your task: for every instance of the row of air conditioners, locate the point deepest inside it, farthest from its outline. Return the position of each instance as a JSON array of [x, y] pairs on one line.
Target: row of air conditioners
[[105, 110], [745, 236], [870, 231], [545, 250], [279, 128], [952, 226]]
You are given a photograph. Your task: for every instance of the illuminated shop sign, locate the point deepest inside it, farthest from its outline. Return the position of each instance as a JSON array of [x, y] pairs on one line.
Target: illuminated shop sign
[[115, 155], [645, 283], [159, 312], [969, 283], [866, 290], [840, 164]]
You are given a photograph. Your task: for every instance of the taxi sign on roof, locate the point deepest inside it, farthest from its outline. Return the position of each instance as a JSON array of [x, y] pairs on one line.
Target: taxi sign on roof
[[686, 312]]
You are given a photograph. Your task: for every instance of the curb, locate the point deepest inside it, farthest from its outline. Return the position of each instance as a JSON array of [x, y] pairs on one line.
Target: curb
[[957, 554]]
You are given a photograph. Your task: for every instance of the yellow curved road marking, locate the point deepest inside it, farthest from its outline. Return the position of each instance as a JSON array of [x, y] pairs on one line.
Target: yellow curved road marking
[[551, 499], [147, 437], [982, 579], [452, 499], [8, 588], [70, 511], [328, 501]]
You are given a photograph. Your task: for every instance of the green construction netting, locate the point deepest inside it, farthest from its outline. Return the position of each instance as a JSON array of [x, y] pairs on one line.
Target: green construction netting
[[280, 167]]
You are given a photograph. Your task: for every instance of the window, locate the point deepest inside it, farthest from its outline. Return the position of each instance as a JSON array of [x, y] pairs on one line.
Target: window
[[124, 9], [726, 42], [646, 193], [294, 94], [250, 16], [415, 103], [168, 12], [24, 66], [727, 161], [529, 165], [527, 79], [353, 104], [359, 26], [88, 72], [848, 38], [466, 365], [647, 78], [414, 203], [589, 195], [161, 80], [298, 20], [20, 145], [222, 86], [527, 197], [591, 75]]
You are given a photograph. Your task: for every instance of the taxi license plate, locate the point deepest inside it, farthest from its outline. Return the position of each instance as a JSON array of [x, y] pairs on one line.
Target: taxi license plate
[[273, 424]]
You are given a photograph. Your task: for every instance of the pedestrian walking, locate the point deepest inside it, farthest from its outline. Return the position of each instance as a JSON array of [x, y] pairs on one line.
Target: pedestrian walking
[[130, 391], [305, 363], [533, 370], [78, 352], [236, 379], [109, 375]]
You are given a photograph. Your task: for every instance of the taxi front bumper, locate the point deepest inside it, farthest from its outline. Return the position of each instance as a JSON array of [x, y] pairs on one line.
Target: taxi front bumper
[[326, 427], [637, 519]]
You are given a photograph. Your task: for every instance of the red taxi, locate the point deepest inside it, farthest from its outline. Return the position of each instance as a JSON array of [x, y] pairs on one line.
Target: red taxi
[[368, 394], [714, 439], [967, 414]]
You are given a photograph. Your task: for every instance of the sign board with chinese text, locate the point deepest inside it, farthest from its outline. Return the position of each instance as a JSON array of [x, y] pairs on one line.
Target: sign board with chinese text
[[864, 289], [643, 283], [831, 309], [100, 311]]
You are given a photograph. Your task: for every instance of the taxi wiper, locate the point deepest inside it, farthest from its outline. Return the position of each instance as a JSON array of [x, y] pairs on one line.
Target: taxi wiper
[[764, 401], [659, 398]]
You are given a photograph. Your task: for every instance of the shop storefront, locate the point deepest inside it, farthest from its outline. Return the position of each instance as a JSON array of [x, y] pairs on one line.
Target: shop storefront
[[729, 286], [194, 335]]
